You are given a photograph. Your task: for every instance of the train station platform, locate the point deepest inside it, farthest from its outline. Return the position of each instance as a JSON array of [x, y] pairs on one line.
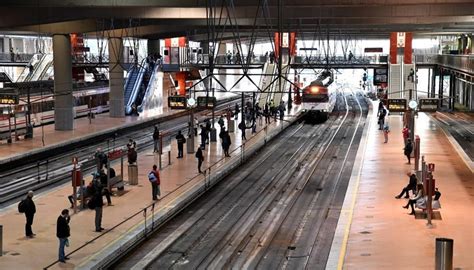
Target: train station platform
[[179, 179], [375, 232]]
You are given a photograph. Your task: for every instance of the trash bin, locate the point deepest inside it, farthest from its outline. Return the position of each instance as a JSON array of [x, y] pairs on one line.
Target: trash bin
[[213, 135], [231, 126], [133, 174], [190, 145], [444, 254]]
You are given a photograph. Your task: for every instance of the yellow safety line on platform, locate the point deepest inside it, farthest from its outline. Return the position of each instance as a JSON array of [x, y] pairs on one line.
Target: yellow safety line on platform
[[342, 255]]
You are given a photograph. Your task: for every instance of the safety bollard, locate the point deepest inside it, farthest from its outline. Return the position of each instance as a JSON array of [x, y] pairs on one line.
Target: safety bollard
[[1, 240], [444, 254]]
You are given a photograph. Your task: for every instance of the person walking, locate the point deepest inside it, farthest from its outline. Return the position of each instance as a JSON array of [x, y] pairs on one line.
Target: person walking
[[386, 130], [200, 158], [97, 203], [63, 232], [203, 137], [154, 178], [208, 130], [411, 186], [237, 111], [382, 114], [29, 209], [266, 113], [181, 141], [408, 149], [406, 134], [156, 140]]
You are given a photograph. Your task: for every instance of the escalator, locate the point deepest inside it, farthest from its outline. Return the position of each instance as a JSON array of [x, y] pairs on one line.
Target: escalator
[[265, 80], [153, 95], [276, 93], [132, 85], [30, 68]]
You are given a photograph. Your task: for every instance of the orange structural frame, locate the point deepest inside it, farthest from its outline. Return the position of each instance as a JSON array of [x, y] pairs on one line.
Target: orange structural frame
[[181, 78], [393, 48], [407, 57]]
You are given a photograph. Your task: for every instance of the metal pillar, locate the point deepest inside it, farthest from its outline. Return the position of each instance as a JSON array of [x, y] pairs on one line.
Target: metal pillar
[[63, 100], [440, 89], [452, 91], [116, 82], [433, 83]]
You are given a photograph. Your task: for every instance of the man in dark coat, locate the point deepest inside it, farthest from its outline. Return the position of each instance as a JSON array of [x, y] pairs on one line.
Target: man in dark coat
[[408, 149], [180, 140], [30, 210], [63, 232], [200, 158], [98, 203]]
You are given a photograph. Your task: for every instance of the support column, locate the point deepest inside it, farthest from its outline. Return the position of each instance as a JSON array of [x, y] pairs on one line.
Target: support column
[[153, 46], [63, 100], [440, 88], [433, 83], [116, 82]]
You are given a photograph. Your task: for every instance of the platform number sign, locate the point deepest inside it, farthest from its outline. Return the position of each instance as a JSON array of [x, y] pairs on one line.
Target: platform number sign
[[177, 102]]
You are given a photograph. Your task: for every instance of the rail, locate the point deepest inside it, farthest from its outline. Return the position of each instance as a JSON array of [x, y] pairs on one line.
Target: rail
[[148, 226], [463, 63]]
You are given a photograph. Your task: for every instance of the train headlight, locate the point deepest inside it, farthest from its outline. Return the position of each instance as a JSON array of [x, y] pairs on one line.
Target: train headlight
[[314, 89]]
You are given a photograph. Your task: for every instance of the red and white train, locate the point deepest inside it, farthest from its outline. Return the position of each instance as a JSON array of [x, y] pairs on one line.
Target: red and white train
[[318, 98], [42, 108]]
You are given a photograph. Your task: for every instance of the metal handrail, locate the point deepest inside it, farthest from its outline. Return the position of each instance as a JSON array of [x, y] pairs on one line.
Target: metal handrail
[[151, 206]]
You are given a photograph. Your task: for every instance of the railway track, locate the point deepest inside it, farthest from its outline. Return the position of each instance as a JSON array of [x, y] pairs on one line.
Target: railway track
[[277, 212], [56, 170]]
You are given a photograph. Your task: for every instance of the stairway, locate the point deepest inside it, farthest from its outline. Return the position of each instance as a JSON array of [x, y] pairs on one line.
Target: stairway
[[394, 81]]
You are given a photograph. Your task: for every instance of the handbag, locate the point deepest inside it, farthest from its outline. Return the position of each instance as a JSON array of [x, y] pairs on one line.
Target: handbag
[[67, 242]]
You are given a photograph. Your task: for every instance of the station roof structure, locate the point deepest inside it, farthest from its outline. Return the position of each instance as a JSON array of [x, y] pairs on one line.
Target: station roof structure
[[155, 19]]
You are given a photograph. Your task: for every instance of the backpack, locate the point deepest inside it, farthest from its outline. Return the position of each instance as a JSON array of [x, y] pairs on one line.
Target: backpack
[[152, 177], [22, 206]]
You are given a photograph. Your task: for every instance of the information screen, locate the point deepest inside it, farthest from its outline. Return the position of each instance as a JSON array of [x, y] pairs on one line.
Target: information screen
[[429, 104], [9, 99], [177, 102], [206, 102], [397, 105]]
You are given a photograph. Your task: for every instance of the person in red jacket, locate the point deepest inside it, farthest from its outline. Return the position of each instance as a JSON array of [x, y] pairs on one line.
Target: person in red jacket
[[406, 134]]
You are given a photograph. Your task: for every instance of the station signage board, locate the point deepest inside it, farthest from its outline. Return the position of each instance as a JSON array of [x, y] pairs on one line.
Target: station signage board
[[9, 99], [373, 50], [428, 104], [177, 102], [397, 105], [206, 102]]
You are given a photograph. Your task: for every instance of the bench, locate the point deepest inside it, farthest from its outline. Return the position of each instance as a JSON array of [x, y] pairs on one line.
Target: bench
[[20, 132], [116, 182]]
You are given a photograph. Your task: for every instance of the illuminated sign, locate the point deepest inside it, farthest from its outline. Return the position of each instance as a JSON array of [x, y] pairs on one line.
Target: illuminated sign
[[206, 102], [177, 102], [397, 105], [9, 99], [401, 39], [429, 104]]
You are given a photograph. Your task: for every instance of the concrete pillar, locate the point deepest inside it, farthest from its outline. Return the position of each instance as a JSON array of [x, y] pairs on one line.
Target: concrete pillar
[[116, 81], [153, 46], [63, 100]]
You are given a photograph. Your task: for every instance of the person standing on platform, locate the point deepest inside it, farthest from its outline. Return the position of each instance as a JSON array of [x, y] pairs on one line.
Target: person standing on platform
[[266, 113], [97, 203], [200, 158], [154, 178], [408, 149], [63, 232], [386, 130], [101, 158], [242, 128], [221, 121], [237, 111], [382, 114], [105, 188], [181, 141], [156, 139], [406, 134], [208, 130], [29, 209], [226, 142], [203, 137]]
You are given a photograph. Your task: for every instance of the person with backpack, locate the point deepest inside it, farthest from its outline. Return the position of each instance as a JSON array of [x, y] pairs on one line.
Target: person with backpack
[[27, 206], [62, 233], [154, 178], [200, 158], [181, 141]]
